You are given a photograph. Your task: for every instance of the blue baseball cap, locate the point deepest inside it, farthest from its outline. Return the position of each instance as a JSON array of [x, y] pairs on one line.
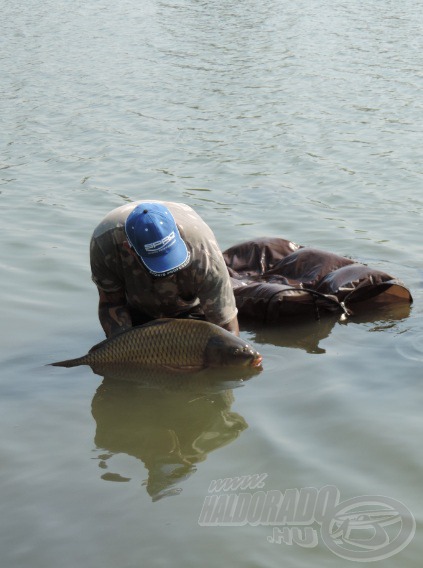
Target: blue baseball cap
[[152, 232]]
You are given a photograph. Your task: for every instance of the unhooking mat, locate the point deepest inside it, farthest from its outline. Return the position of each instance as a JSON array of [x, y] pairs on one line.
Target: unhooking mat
[[273, 278]]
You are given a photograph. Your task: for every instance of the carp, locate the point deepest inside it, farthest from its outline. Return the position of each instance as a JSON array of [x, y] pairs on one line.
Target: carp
[[171, 344]]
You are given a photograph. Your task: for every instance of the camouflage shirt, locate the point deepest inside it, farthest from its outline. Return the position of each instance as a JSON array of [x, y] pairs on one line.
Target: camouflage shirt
[[203, 284]]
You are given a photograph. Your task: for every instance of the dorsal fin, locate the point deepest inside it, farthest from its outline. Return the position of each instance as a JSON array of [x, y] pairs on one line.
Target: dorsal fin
[[98, 345]]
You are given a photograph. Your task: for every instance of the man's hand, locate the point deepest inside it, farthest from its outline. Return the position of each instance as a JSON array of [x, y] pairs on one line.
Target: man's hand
[[113, 312], [232, 326]]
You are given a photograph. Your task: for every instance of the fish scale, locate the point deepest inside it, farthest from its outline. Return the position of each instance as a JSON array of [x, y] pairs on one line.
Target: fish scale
[[127, 347]]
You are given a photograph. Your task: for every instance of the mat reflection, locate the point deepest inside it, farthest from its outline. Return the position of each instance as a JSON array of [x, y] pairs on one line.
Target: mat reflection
[[301, 333], [170, 429]]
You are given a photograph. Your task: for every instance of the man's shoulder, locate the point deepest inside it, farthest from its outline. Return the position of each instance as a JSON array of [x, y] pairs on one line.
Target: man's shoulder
[[186, 218], [115, 219], [194, 230]]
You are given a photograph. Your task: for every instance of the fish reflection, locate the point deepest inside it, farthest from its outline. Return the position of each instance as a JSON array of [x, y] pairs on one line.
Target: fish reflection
[[170, 426]]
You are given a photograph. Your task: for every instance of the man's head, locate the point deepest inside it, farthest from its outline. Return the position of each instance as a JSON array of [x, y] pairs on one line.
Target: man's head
[[152, 233]]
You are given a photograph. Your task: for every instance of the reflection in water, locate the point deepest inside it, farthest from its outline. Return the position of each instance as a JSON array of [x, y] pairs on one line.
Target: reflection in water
[[170, 428], [383, 317], [171, 422], [301, 333]]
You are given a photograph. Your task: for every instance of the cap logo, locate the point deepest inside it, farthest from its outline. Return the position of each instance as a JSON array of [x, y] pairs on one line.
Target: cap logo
[[159, 246]]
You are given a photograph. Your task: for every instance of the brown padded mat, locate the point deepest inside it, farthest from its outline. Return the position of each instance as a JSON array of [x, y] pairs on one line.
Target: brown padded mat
[[273, 278]]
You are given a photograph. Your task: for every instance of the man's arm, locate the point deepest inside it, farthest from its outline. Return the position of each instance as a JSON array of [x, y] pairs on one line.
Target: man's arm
[[113, 312], [232, 326]]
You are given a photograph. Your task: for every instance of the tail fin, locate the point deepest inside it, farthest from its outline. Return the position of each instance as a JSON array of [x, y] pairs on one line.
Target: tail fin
[[68, 363]]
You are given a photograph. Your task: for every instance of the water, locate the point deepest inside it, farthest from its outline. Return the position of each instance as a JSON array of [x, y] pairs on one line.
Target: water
[[297, 119]]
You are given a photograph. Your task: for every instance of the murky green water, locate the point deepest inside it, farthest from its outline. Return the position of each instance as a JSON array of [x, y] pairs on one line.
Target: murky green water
[[298, 119]]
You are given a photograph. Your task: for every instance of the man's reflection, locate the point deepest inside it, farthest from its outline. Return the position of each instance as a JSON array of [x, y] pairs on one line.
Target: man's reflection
[[169, 430]]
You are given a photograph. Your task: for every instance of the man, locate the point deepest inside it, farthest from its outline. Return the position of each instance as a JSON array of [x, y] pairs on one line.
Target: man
[[153, 259]]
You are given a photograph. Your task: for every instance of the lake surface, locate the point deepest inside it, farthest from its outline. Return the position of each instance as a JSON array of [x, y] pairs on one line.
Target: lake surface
[[299, 119]]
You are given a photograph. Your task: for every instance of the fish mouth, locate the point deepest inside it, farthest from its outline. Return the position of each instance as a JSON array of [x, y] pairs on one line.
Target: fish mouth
[[256, 362]]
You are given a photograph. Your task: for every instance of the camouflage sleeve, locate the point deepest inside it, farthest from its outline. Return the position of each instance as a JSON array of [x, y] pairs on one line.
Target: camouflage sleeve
[[215, 293], [102, 272]]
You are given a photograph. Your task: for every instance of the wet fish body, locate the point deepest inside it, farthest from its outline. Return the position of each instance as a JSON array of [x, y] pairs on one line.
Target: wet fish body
[[171, 344]]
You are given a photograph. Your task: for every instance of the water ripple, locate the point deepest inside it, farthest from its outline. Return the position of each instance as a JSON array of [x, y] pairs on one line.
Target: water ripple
[[410, 346]]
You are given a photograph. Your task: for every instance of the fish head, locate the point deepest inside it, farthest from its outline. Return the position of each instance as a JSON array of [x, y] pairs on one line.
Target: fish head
[[230, 350]]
